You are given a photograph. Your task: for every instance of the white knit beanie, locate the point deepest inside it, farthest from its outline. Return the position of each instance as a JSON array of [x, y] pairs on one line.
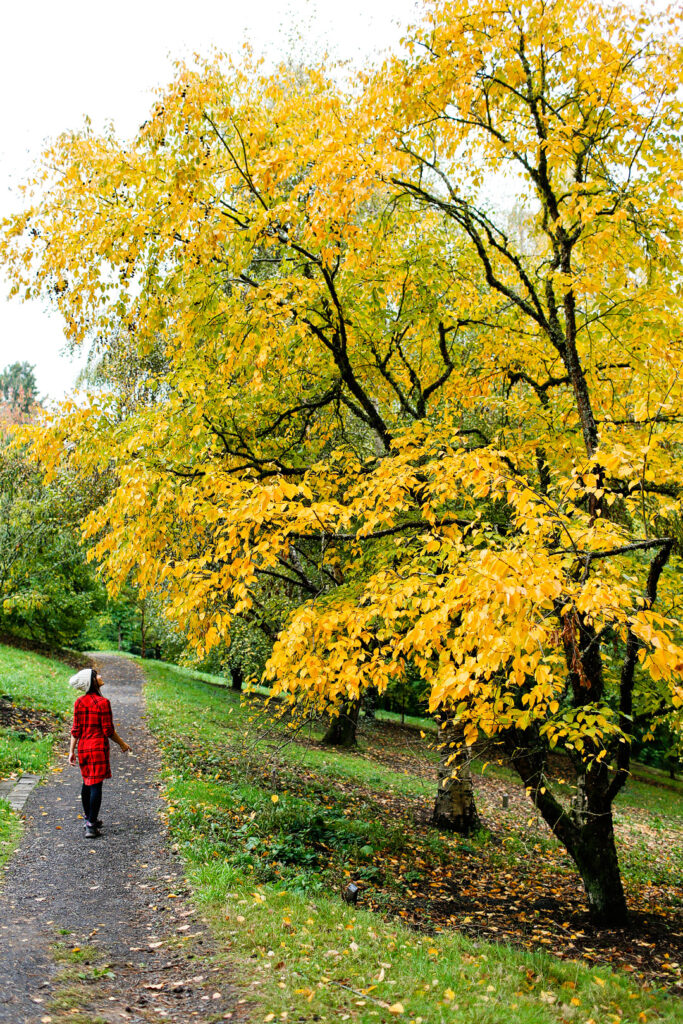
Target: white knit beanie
[[82, 680]]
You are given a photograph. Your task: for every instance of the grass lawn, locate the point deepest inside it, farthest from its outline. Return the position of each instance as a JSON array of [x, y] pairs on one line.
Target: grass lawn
[[10, 831], [34, 699], [487, 929]]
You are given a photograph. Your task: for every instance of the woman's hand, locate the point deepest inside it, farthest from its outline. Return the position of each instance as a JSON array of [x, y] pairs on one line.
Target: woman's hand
[[121, 742], [73, 760]]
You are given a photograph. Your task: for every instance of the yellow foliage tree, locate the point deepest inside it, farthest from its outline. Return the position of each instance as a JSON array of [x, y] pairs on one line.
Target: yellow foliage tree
[[447, 427]]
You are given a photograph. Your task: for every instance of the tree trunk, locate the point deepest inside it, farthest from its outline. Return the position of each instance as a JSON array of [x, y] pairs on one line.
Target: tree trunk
[[586, 830], [454, 807], [341, 731], [370, 701], [143, 633], [595, 855], [237, 677]]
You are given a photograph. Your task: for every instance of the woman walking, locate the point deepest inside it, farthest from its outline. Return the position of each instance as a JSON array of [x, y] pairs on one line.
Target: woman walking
[[92, 727]]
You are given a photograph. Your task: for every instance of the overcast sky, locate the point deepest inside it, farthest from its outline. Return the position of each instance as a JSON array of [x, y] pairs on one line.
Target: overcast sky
[[62, 61]]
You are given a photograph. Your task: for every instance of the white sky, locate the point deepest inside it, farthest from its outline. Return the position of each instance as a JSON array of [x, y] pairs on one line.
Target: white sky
[[60, 61]]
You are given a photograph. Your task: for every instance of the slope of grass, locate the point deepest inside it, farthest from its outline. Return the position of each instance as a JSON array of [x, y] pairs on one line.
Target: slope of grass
[[271, 836], [35, 681], [29, 684], [32, 683]]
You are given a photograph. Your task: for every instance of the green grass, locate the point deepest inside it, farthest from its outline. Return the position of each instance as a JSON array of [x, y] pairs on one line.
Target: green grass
[[342, 765], [663, 797], [65, 953], [647, 819], [29, 681], [21, 752], [34, 682], [10, 831], [79, 983], [271, 834], [409, 721]]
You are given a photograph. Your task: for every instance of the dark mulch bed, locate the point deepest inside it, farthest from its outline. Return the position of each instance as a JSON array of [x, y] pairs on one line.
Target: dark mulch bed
[[26, 720]]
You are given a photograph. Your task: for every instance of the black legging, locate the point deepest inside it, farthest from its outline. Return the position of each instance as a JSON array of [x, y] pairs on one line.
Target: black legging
[[91, 797]]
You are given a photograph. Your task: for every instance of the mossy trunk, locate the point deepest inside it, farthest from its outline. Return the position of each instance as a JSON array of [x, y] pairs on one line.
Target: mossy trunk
[[595, 855], [341, 731], [454, 808]]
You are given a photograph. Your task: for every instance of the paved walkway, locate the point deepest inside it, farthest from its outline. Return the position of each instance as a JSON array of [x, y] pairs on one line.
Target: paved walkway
[[17, 793], [122, 893]]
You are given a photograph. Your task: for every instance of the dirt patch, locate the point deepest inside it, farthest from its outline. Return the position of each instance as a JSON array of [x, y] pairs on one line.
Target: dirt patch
[[26, 720]]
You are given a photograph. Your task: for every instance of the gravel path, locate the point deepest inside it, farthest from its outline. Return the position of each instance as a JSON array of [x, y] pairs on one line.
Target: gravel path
[[122, 894]]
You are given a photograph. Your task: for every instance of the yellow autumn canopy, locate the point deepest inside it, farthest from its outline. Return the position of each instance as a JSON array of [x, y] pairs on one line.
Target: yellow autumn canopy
[[407, 352]]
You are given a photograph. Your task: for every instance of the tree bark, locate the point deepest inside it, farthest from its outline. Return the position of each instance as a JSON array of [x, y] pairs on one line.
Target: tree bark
[[455, 808], [370, 701], [595, 855], [143, 633], [341, 731], [236, 677], [586, 831]]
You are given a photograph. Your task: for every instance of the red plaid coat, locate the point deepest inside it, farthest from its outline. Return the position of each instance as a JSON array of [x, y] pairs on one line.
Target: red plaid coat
[[92, 726]]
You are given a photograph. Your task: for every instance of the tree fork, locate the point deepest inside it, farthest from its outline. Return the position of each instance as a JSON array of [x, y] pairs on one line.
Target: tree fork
[[588, 837]]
